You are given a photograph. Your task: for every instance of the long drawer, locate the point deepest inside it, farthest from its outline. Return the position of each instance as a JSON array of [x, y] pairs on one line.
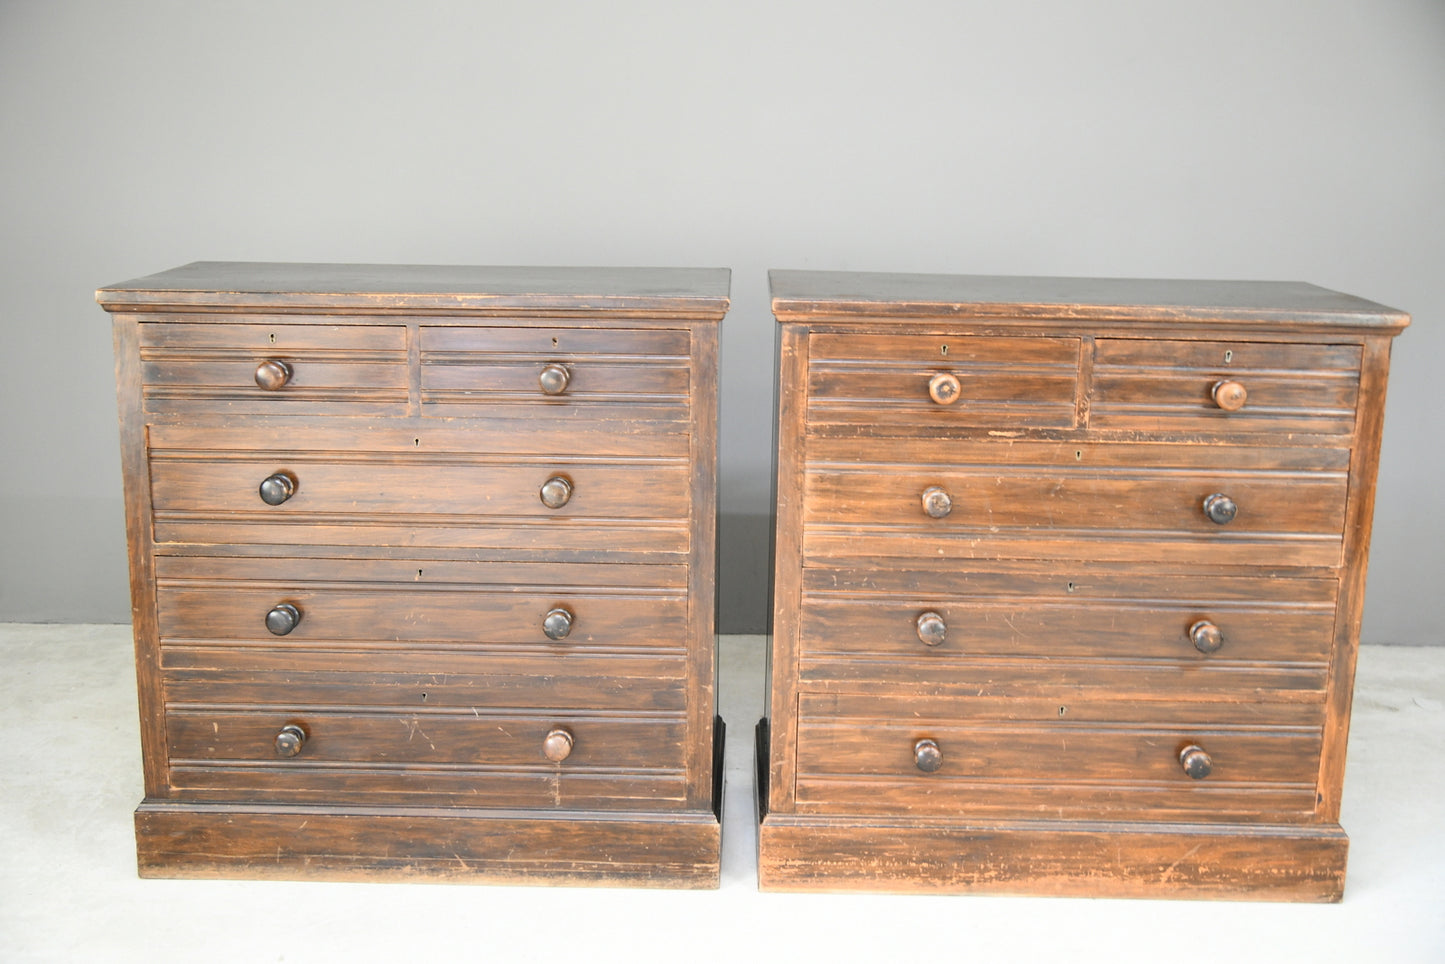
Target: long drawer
[[485, 759], [945, 757]]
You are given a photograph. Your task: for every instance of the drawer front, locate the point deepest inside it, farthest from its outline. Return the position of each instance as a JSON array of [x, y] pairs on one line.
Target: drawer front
[[482, 617], [920, 384], [191, 367], [1168, 386], [1123, 761], [556, 373], [482, 759], [1281, 518]]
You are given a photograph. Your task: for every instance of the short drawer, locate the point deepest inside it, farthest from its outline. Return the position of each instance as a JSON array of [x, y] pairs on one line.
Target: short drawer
[[555, 372], [272, 366], [1224, 388], [912, 384], [307, 752], [1049, 512], [1127, 760]]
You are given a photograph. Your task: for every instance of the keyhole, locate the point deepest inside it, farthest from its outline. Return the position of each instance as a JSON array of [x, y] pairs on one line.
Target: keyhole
[[1071, 587], [423, 699], [273, 338], [1063, 710], [416, 442], [1078, 455], [944, 349], [1228, 356], [554, 342], [418, 573]]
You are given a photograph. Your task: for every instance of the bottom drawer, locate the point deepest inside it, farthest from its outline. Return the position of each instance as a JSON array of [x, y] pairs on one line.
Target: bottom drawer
[[1129, 770], [317, 754]]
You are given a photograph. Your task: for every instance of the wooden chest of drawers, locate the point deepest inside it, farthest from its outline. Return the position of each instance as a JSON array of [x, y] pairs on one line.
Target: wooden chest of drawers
[[422, 569], [1068, 582]]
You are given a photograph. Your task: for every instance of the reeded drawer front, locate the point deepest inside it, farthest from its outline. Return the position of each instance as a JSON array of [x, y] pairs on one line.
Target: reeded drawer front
[[339, 490], [935, 767], [887, 384], [1143, 516], [453, 615], [1163, 385], [535, 760], [566, 371], [280, 366]]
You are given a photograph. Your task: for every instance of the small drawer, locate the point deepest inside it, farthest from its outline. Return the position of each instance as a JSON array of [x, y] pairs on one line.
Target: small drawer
[[1224, 388], [926, 384], [535, 760], [1113, 763], [551, 373], [272, 366]]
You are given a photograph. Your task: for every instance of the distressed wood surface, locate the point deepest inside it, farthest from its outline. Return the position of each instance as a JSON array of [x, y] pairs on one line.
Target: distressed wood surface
[[409, 408], [1031, 652]]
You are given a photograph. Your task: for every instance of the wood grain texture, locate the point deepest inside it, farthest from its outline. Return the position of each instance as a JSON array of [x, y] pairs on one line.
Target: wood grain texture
[[1013, 608], [371, 639]]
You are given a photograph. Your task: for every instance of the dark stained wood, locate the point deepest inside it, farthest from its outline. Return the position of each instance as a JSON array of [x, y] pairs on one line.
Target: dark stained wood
[[380, 634], [1116, 579], [413, 843]]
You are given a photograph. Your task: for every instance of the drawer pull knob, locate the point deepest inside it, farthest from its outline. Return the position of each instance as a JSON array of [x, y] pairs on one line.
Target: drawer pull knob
[[932, 629], [277, 488], [927, 756], [1196, 762], [1220, 509], [273, 374], [936, 502], [290, 740], [943, 388], [557, 623], [282, 619], [556, 492], [1229, 396], [558, 744], [1206, 636], [554, 379]]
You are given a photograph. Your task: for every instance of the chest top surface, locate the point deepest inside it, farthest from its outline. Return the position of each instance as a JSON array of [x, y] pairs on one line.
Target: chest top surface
[[693, 293], [871, 297]]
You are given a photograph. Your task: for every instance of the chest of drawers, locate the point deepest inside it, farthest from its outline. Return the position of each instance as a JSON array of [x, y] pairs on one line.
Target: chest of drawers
[[1068, 583], [422, 570]]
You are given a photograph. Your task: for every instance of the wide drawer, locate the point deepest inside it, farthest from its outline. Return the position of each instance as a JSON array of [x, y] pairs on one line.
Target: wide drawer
[[484, 759], [1054, 512], [261, 365], [1100, 759], [875, 384], [933, 619], [1169, 386]]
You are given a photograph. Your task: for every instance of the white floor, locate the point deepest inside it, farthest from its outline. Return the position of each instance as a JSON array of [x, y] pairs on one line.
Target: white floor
[[70, 761]]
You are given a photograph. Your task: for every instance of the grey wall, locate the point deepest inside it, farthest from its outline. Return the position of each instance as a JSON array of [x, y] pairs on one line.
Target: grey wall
[[1227, 140]]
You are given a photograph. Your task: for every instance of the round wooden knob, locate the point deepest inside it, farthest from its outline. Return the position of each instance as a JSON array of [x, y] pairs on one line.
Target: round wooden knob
[[277, 488], [1229, 396], [932, 629], [554, 379], [558, 745], [557, 623], [1195, 762], [936, 502], [283, 618], [1220, 509], [1206, 636], [273, 374], [555, 492], [943, 388], [927, 756], [290, 740]]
